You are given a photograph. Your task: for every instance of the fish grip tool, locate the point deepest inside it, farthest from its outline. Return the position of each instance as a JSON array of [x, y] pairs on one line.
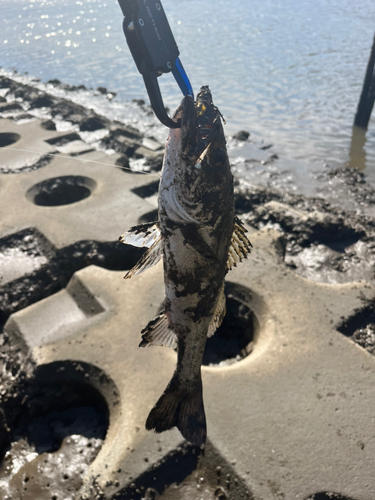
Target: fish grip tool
[[154, 51]]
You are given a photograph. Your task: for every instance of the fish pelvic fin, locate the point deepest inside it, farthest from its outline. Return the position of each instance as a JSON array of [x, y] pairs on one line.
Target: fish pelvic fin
[[149, 259], [240, 245], [182, 408], [157, 332], [143, 235]]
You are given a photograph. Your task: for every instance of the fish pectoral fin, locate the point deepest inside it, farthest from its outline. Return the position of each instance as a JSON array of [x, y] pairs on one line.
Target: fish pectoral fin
[[219, 314], [149, 259], [144, 235], [157, 332], [240, 245]]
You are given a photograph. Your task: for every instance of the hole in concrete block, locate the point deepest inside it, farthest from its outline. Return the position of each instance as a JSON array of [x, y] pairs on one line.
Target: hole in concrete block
[[8, 138], [328, 496], [57, 429], [54, 411], [64, 139], [360, 327], [61, 190], [234, 339], [147, 190]]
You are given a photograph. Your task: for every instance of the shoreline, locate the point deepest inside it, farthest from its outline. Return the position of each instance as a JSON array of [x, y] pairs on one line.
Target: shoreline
[[256, 161], [350, 204]]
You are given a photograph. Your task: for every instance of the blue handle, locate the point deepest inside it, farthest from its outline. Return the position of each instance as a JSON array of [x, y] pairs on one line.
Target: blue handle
[[182, 78]]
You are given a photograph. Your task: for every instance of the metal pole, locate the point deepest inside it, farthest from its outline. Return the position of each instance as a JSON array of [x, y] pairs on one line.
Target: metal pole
[[367, 99]]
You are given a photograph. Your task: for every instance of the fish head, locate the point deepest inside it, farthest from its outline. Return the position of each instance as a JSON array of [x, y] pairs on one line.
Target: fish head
[[197, 183], [201, 135]]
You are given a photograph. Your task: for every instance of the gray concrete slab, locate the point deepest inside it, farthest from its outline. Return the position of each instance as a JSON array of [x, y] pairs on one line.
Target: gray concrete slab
[[295, 417], [66, 223], [29, 145]]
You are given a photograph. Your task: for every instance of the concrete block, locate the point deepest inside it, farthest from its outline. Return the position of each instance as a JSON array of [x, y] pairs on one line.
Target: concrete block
[[290, 415], [56, 317], [293, 418], [92, 180], [27, 147], [152, 144]]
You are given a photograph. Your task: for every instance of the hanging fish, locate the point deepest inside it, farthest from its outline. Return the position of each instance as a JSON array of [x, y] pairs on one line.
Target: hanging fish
[[200, 239]]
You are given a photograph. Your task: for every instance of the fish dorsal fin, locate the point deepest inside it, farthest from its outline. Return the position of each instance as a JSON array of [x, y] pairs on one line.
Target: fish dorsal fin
[[144, 235], [157, 332], [219, 314], [239, 246], [149, 259]]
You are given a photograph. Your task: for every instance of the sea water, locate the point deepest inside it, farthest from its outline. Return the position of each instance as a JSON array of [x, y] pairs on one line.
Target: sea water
[[290, 72]]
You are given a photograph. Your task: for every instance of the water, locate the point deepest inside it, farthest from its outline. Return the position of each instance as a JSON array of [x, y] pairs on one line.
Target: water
[[289, 71]]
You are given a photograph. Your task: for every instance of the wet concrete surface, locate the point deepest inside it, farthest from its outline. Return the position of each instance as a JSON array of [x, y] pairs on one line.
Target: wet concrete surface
[[54, 418]]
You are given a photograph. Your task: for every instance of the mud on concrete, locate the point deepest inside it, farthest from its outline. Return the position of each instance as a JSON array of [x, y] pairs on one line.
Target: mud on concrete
[[51, 429], [320, 242]]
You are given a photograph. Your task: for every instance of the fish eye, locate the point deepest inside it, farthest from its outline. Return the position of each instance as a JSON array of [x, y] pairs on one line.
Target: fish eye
[[201, 109]]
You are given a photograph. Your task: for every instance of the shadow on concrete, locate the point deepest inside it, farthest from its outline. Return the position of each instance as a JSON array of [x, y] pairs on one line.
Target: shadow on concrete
[[188, 472], [45, 270], [328, 496]]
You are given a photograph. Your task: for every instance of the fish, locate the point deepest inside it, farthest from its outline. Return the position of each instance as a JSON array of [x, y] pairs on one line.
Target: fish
[[199, 238]]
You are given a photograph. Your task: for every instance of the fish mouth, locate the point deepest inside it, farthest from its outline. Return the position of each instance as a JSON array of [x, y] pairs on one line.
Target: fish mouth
[[200, 123]]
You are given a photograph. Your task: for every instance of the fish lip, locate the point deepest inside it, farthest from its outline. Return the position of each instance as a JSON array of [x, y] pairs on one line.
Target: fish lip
[[189, 126]]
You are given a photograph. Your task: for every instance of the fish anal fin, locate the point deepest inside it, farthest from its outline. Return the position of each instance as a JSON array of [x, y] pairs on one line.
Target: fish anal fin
[[181, 408], [218, 315], [157, 332], [143, 235], [149, 259], [240, 245]]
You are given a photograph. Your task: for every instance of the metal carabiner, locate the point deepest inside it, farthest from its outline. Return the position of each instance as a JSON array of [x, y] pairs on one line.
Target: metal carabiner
[[154, 51]]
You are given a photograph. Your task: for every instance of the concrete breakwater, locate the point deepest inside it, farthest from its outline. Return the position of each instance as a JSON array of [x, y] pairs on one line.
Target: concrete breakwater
[[288, 378]]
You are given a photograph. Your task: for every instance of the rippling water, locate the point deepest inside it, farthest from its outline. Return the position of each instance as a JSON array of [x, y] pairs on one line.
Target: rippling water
[[288, 71]]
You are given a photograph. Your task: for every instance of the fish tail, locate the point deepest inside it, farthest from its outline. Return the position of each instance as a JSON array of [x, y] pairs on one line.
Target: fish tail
[[181, 407]]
